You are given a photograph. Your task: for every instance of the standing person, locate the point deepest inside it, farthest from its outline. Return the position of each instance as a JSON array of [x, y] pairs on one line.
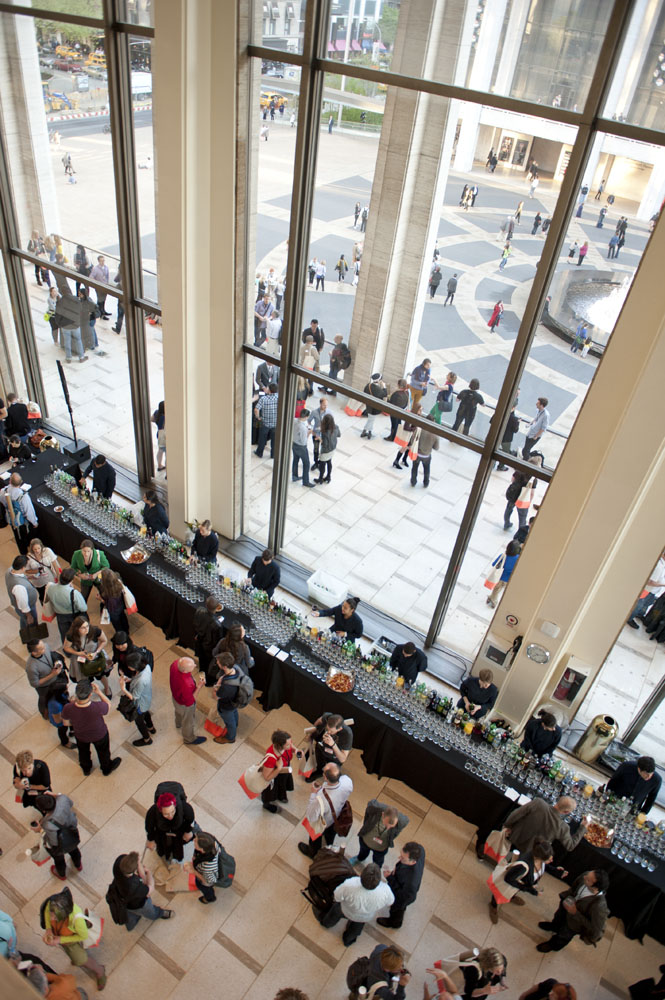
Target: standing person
[[505, 254], [426, 442], [20, 512], [512, 554], [315, 334], [469, 401], [435, 280], [330, 432], [89, 563], [100, 272], [421, 376], [519, 486], [327, 800], [208, 630], [375, 387], [44, 670], [50, 313], [314, 422], [537, 427], [60, 828], [484, 976], [612, 246], [120, 312], [408, 661], [263, 310], [274, 330], [347, 623], [234, 643], [382, 825], [227, 690], [356, 213], [533, 187], [277, 771], [401, 458], [184, 690], [340, 359], [301, 435], [135, 885], [86, 718], [404, 880], [479, 694], [31, 778], [583, 910], [452, 288], [400, 397], [523, 874], [579, 338], [331, 122], [159, 418], [601, 217], [536, 223], [363, 219], [542, 735], [103, 477], [584, 249], [36, 247], [654, 588], [22, 595], [341, 267], [572, 251], [444, 400], [264, 573], [265, 412], [64, 924], [509, 433], [311, 270], [112, 594], [332, 742], [621, 239], [639, 781], [601, 188], [518, 212], [64, 601], [16, 418], [321, 276], [206, 863], [136, 684], [495, 318], [359, 900], [205, 544], [154, 514], [169, 825], [266, 373], [540, 819], [88, 313]]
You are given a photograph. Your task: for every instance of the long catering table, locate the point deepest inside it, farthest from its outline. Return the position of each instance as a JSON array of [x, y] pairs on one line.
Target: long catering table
[[636, 895]]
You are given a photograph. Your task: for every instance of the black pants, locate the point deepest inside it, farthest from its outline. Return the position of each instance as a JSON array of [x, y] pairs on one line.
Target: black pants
[[64, 624], [101, 302], [143, 722], [425, 461], [468, 420], [265, 434], [396, 915], [103, 753], [562, 932], [61, 864], [22, 534], [528, 445], [394, 424], [328, 836], [449, 298], [278, 788]]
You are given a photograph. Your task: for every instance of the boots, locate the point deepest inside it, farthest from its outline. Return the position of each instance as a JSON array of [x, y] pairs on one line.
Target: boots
[[396, 463], [405, 462]]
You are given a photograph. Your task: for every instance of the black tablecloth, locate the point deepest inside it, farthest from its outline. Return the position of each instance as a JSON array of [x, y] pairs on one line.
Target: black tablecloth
[[636, 896]]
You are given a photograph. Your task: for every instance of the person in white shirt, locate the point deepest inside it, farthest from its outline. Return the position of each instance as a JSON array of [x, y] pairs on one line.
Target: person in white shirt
[[359, 899], [328, 795], [274, 329], [655, 588]]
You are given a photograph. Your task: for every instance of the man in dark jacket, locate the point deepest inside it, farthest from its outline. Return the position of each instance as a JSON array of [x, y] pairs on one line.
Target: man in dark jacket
[[315, 331], [264, 573], [103, 477], [226, 690], [375, 387], [509, 433], [135, 885], [408, 661], [16, 421], [405, 881], [381, 827], [155, 517], [637, 780], [400, 397], [208, 630], [478, 694], [583, 910]]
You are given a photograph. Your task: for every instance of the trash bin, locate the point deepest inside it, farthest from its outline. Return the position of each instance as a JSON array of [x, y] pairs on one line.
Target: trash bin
[[596, 738], [325, 589]]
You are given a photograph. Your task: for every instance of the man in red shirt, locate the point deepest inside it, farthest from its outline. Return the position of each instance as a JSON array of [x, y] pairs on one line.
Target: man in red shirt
[[183, 691]]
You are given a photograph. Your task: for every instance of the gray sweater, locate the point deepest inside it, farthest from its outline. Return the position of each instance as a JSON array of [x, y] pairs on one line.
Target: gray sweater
[[63, 814]]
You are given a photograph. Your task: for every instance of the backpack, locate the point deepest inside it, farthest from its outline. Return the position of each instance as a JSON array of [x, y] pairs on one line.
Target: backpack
[[171, 788], [116, 905], [357, 973], [513, 492], [226, 868], [245, 693], [146, 656], [345, 356]]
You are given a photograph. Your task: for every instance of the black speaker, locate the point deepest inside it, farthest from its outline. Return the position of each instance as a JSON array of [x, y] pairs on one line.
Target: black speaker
[[80, 453]]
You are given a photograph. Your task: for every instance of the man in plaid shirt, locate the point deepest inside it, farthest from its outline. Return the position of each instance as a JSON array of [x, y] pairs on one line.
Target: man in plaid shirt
[[266, 413]]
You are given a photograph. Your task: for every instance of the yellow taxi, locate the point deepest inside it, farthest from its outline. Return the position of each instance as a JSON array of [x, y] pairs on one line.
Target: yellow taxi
[[67, 52], [96, 60], [279, 100]]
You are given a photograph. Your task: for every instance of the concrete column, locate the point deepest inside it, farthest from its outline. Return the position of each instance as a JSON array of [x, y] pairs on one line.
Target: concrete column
[[194, 62], [512, 44], [635, 48], [411, 170], [596, 537]]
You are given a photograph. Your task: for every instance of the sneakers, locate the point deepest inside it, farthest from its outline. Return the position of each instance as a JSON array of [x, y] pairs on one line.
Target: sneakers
[[197, 742]]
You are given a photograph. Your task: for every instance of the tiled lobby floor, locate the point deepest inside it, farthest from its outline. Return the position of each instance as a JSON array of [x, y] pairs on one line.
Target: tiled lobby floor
[[260, 935]]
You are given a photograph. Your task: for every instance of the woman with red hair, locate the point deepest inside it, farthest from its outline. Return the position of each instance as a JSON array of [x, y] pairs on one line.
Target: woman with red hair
[[168, 825]]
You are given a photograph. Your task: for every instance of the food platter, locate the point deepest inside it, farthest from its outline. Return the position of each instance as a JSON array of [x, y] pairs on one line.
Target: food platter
[[340, 680], [598, 835], [58, 509], [135, 555]]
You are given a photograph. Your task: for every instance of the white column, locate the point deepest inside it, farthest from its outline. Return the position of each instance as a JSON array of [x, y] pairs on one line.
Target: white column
[[512, 44], [635, 48]]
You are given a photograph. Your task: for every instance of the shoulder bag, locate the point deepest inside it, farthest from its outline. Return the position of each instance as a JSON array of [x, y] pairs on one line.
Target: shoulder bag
[[252, 781], [342, 823], [318, 825], [494, 574], [497, 846], [130, 601]]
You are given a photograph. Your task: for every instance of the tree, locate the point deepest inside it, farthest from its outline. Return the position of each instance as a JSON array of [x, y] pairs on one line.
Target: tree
[[388, 25], [72, 33]]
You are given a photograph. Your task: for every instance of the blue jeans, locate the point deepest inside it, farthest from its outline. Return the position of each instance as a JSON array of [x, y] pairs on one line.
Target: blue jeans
[[230, 718], [78, 343], [149, 910], [642, 606], [300, 454], [207, 891], [378, 857]]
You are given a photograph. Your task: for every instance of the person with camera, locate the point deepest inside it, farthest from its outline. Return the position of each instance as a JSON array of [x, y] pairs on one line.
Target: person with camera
[[31, 777], [332, 742], [386, 977], [277, 770], [44, 670]]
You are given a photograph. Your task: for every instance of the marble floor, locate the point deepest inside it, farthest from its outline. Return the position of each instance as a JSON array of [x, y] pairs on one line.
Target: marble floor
[[260, 935]]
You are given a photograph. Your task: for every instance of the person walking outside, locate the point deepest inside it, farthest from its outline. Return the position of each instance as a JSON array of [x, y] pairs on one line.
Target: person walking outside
[[536, 223], [435, 280], [59, 826], [537, 427], [612, 246], [184, 690], [86, 718], [451, 288], [469, 401], [341, 267], [64, 925], [584, 249], [401, 458], [421, 376], [321, 276], [424, 443], [507, 250], [495, 318], [510, 557], [265, 412]]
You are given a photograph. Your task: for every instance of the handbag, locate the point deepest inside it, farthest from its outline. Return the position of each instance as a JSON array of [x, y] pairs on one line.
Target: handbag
[[31, 632], [342, 823], [94, 667], [502, 891], [252, 781], [316, 827], [497, 846], [39, 854], [495, 572], [130, 601], [127, 707], [413, 444], [95, 925]]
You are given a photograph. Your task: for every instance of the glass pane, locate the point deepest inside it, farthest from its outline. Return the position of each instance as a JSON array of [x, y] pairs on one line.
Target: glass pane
[[651, 740], [146, 181], [275, 122], [259, 435], [64, 192], [73, 34], [588, 290], [545, 53], [155, 361], [632, 669], [385, 540], [636, 93], [99, 385], [279, 25], [499, 523], [137, 12]]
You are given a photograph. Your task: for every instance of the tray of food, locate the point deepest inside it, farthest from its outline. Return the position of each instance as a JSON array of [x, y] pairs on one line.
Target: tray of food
[[598, 834], [135, 555], [340, 680]]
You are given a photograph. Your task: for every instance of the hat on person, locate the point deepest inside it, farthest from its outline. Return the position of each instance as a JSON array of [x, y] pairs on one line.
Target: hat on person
[[166, 800], [376, 377]]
